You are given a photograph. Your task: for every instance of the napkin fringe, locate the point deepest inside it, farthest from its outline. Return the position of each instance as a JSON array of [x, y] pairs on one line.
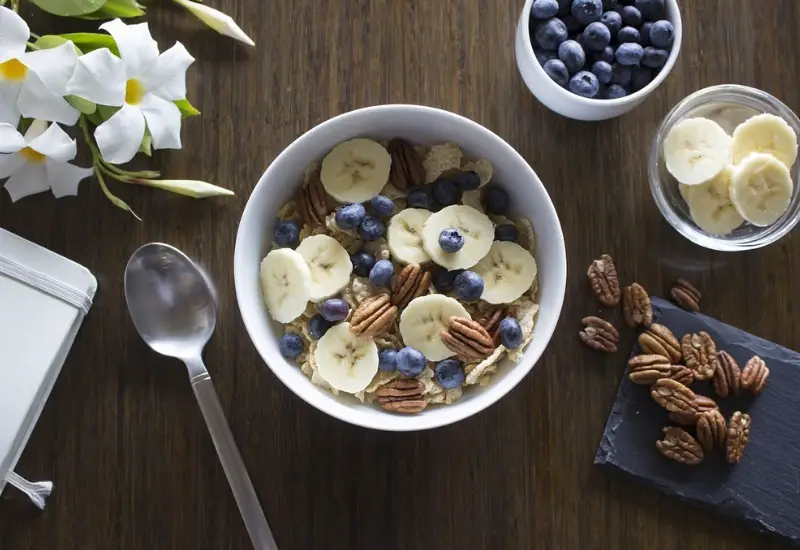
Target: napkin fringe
[[37, 492]]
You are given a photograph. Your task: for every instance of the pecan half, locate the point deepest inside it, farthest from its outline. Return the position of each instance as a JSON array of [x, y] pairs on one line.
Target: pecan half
[[680, 446], [491, 322], [604, 280], [674, 396], [468, 339], [406, 170], [685, 295], [658, 339], [726, 377], [403, 395], [636, 307], [412, 282], [599, 334], [738, 437], [700, 354], [374, 316], [754, 375], [312, 202], [711, 430], [646, 369]]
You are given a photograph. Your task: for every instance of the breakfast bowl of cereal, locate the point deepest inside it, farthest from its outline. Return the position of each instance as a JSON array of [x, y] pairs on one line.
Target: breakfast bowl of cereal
[[400, 267]]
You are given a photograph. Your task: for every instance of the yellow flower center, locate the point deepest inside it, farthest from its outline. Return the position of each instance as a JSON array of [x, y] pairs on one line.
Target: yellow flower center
[[13, 69], [134, 92], [32, 156]]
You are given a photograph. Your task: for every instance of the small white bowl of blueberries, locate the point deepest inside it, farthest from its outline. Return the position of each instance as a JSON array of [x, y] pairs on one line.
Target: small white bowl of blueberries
[[596, 59]]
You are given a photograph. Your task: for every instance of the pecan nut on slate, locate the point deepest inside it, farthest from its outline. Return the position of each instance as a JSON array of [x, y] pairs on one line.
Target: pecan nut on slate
[[678, 445], [604, 280], [685, 295], [754, 375], [659, 340], [646, 369], [468, 339], [412, 282], [678, 398], [636, 307], [738, 437], [406, 170], [700, 354], [374, 316], [599, 334], [726, 377], [312, 204], [403, 395], [491, 322], [711, 430]]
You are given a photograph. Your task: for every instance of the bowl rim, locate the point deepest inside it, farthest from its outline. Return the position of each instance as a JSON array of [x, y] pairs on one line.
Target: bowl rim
[[592, 102], [449, 415]]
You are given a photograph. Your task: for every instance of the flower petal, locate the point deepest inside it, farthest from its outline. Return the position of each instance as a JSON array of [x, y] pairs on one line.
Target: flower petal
[[54, 67], [63, 178], [136, 46], [119, 137], [11, 140], [29, 179], [9, 93], [35, 130], [10, 164], [163, 120], [99, 77], [217, 20], [55, 144], [168, 76], [36, 101], [14, 34]]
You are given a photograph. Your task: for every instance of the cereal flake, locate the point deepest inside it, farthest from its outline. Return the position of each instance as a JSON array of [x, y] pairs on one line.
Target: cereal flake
[[476, 371], [473, 199], [481, 167], [440, 159]]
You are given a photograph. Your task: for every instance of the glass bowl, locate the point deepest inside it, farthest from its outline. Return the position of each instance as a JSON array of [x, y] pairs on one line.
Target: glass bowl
[[728, 105]]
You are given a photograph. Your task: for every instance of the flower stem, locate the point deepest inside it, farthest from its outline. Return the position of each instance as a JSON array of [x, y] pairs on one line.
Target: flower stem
[[32, 46], [112, 170], [116, 201]]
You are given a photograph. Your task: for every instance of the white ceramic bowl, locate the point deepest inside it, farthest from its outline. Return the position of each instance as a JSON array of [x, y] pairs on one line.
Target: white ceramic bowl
[[564, 102], [418, 125]]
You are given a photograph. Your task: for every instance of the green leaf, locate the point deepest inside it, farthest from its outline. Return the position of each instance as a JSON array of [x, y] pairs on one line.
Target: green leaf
[[147, 142], [69, 8], [117, 8], [49, 41], [106, 112], [83, 105], [94, 118], [88, 41], [186, 108]]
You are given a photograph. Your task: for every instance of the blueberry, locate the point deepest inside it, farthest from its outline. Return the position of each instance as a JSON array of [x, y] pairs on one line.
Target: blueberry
[[606, 55], [468, 285], [451, 240], [631, 16], [444, 280], [551, 33], [557, 71], [651, 9], [510, 333], [573, 25], [629, 53], [445, 191], [602, 71], [350, 215], [410, 362], [584, 84], [628, 34], [563, 7], [467, 181], [371, 229], [596, 36], [496, 200], [543, 56], [587, 11], [655, 58], [449, 373], [381, 273], [662, 34], [383, 206], [641, 78], [615, 91], [571, 54], [621, 75], [420, 197], [506, 232], [334, 310], [362, 263], [544, 9], [387, 360], [286, 233], [613, 22], [644, 33], [291, 345], [318, 326]]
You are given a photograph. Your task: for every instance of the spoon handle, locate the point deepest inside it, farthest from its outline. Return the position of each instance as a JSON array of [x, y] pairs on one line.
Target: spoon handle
[[232, 463]]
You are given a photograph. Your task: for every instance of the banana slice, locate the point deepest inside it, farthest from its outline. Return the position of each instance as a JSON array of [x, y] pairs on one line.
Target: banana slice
[[329, 264], [355, 170], [346, 361], [765, 134], [424, 318], [285, 284], [761, 189], [683, 189], [696, 150], [475, 226], [710, 204], [404, 236], [508, 272]]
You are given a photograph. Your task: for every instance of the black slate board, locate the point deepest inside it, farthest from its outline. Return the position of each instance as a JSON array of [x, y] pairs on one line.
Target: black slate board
[[763, 490]]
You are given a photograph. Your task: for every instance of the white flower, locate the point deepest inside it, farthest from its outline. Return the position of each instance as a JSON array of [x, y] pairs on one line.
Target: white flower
[[33, 84], [142, 82], [37, 161], [217, 20]]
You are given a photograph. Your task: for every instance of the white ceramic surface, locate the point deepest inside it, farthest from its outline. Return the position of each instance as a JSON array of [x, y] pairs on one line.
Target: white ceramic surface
[[418, 125], [564, 102]]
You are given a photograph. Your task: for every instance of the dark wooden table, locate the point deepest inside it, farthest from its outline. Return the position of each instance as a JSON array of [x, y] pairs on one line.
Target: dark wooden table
[[121, 435]]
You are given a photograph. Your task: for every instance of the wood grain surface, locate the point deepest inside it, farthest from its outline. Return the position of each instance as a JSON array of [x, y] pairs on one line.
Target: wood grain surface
[[121, 435]]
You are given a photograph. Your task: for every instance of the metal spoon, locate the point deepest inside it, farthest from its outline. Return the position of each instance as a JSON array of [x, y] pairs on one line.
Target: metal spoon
[[173, 305]]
